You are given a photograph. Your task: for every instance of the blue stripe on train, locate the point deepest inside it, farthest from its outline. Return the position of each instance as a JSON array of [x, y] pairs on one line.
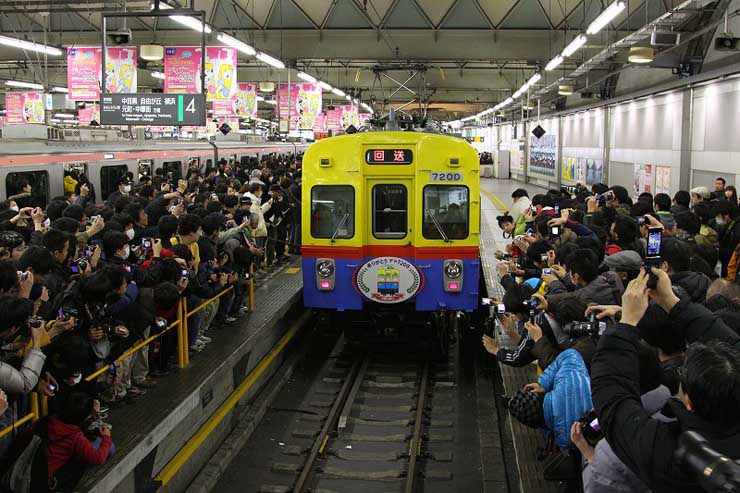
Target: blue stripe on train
[[431, 297]]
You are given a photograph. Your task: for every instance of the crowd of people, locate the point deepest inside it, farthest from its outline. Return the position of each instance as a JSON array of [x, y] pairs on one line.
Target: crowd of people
[[81, 283], [631, 311]]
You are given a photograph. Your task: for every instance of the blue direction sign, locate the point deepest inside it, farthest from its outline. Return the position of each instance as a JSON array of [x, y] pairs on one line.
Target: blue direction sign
[[156, 109]]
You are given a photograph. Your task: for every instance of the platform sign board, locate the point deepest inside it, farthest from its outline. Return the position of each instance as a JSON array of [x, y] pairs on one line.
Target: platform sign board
[[153, 109]]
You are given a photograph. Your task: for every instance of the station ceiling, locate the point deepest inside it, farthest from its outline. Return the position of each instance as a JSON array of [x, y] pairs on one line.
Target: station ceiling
[[467, 54]]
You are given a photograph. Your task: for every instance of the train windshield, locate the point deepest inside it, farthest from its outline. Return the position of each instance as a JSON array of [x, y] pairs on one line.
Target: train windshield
[[446, 212], [332, 211], [390, 211]]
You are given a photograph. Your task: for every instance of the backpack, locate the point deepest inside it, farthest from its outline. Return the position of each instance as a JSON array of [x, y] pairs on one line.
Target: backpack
[[28, 473]]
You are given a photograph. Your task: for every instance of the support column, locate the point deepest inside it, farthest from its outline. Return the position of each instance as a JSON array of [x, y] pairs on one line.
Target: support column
[[687, 120]]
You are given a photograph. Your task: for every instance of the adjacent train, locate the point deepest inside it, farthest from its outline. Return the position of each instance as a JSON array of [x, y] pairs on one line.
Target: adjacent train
[[390, 228], [43, 163]]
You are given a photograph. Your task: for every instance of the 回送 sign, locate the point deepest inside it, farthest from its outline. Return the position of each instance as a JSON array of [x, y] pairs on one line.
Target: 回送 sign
[[389, 156], [153, 109]]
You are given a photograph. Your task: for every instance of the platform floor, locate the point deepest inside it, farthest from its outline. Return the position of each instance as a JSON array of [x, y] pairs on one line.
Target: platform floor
[[135, 424], [496, 198]]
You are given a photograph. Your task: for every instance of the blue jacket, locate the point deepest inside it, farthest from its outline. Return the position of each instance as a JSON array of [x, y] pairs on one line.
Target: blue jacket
[[568, 396]]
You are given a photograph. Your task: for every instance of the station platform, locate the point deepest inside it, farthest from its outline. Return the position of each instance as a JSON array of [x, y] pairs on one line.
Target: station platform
[[495, 198], [149, 433]]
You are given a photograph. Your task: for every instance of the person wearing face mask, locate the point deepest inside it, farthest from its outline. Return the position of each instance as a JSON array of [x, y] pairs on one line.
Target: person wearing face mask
[[117, 251], [15, 321], [124, 189], [728, 227]]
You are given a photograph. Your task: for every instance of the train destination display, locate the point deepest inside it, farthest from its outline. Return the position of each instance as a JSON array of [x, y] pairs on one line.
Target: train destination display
[[153, 109]]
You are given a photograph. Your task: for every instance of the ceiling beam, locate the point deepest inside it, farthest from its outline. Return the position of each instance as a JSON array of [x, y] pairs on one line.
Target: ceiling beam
[[507, 15]]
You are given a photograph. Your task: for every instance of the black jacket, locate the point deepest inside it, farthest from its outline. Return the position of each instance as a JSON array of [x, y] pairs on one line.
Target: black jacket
[[644, 444], [694, 284]]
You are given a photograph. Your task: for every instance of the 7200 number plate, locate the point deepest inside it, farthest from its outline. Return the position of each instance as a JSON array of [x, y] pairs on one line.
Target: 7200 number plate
[[434, 176]]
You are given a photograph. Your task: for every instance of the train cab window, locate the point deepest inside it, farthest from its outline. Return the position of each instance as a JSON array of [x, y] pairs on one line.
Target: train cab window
[[17, 185], [172, 170], [390, 211], [446, 212], [332, 211], [109, 176]]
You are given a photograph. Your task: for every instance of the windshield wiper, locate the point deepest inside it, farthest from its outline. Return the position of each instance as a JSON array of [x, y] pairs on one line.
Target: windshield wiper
[[439, 228], [339, 226]]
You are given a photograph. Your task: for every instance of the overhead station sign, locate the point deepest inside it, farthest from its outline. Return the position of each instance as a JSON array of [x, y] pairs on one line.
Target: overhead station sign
[[153, 109]]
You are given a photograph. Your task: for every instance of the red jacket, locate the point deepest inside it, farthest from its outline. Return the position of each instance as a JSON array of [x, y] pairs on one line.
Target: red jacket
[[67, 442]]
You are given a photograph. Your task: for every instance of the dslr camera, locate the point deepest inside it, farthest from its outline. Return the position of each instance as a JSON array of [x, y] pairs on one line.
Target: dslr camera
[[593, 327], [112, 328]]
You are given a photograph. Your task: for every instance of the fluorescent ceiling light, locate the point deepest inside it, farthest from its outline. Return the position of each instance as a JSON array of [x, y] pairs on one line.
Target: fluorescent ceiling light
[[348, 97], [577, 42], [508, 101], [271, 101], [338, 92], [260, 98], [554, 63], [606, 17], [368, 107], [30, 46], [157, 75], [533, 80], [186, 21], [308, 78], [272, 61], [27, 85], [641, 54], [64, 115], [323, 85], [239, 45], [59, 89]]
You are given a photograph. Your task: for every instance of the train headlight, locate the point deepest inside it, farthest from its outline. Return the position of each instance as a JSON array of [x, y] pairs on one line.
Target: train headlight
[[325, 268], [453, 269]]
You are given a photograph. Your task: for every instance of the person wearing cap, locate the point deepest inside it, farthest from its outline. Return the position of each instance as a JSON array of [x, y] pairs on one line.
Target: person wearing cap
[[562, 396], [626, 264], [124, 188], [699, 194]]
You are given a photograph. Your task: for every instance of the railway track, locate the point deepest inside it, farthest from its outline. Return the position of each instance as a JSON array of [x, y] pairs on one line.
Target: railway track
[[372, 422]]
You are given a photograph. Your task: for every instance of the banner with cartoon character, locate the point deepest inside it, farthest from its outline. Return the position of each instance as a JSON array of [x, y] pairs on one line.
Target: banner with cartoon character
[[244, 102], [363, 117], [350, 116], [334, 119], [299, 102], [24, 107], [83, 73], [89, 113], [182, 69], [120, 70], [220, 73]]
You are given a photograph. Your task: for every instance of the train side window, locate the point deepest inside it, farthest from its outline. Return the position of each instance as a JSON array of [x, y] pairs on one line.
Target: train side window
[[173, 167], [145, 167], [332, 211], [447, 208], [390, 211], [16, 184], [109, 176]]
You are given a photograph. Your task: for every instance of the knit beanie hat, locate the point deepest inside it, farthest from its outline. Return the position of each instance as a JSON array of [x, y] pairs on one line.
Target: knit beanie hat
[[527, 408]]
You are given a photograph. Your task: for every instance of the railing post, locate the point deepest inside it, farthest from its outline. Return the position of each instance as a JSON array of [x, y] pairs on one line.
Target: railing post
[[251, 288], [180, 352], [44, 405], [185, 353], [34, 404]]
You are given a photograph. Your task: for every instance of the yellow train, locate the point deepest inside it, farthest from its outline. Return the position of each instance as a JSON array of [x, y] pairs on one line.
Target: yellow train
[[398, 205]]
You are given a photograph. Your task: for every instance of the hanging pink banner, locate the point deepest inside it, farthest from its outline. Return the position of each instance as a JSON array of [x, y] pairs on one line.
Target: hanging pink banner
[[349, 116], [89, 113], [334, 119], [182, 69], [363, 117], [83, 73], [24, 107], [243, 104], [220, 73], [120, 70], [319, 123], [299, 102]]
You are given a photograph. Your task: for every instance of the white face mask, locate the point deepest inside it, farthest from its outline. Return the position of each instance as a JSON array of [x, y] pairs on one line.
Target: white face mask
[[75, 379], [126, 252], [130, 233], [720, 221], [14, 208], [127, 188]]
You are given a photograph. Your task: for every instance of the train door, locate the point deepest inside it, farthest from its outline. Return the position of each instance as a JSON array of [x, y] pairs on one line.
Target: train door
[[72, 173], [391, 215], [172, 170]]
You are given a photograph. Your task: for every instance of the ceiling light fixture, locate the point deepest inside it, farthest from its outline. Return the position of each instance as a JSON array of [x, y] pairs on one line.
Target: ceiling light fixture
[[533, 80], [26, 85], [186, 21], [63, 115], [641, 54], [323, 85], [574, 45], [151, 53], [554, 63], [606, 17], [30, 46], [270, 60], [307, 77], [565, 90], [338, 92], [59, 89], [157, 75], [239, 45]]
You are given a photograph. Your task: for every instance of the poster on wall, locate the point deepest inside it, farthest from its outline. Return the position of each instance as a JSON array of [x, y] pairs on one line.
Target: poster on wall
[[568, 166], [594, 169], [542, 153], [24, 107], [89, 113], [299, 102], [120, 70], [662, 179], [83, 73], [182, 69], [643, 181]]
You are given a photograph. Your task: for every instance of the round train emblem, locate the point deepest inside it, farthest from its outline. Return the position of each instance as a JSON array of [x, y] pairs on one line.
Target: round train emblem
[[388, 280]]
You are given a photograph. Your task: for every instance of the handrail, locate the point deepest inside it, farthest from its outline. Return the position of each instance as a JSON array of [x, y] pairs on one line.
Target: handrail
[[32, 416]]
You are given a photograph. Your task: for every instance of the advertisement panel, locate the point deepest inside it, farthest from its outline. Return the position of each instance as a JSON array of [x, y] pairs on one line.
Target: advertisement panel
[[662, 179], [89, 113], [244, 102], [24, 107], [299, 102], [542, 154], [182, 69], [120, 70], [83, 73]]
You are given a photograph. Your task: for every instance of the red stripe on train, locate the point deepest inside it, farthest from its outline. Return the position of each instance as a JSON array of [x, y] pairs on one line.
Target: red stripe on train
[[464, 252]]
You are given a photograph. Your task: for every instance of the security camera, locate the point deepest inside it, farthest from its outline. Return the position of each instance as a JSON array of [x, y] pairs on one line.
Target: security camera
[[726, 42], [121, 36]]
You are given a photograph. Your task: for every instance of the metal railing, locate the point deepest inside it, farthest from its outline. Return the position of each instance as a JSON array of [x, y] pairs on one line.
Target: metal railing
[[183, 359]]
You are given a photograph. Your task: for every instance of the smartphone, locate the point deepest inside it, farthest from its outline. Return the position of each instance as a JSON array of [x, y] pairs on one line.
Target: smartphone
[[654, 244], [555, 231], [485, 301], [87, 251], [52, 387], [500, 309], [641, 221], [185, 274], [557, 210], [146, 243], [546, 272]]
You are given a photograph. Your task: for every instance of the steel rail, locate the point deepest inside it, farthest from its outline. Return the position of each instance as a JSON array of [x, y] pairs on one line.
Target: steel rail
[[416, 439]]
